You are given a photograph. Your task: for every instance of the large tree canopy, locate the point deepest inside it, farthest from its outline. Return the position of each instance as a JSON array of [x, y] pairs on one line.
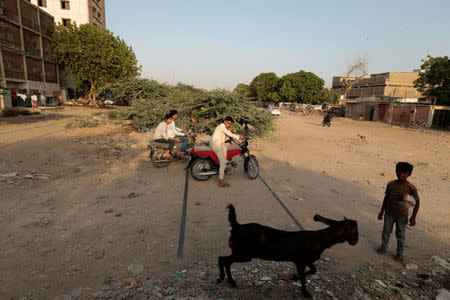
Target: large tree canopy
[[242, 89], [264, 87], [328, 96], [301, 87], [434, 80], [91, 54]]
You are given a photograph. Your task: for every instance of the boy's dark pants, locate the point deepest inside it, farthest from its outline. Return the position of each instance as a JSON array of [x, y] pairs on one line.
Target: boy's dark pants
[[400, 231]]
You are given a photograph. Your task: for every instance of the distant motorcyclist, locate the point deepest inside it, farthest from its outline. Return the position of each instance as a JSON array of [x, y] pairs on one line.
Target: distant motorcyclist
[[327, 119]]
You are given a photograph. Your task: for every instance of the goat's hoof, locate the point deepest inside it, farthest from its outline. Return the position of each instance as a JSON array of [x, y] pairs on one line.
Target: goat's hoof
[[219, 280], [233, 283], [306, 294]]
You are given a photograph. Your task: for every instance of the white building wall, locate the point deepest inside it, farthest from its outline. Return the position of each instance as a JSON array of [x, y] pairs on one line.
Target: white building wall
[[78, 12]]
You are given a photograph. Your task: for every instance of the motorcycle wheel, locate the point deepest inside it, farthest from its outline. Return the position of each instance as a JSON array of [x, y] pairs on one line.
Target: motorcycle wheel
[[253, 168], [198, 166], [156, 156]]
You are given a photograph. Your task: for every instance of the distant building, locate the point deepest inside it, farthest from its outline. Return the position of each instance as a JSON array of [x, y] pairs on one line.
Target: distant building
[[75, 11], [397, 86], [26, 63]]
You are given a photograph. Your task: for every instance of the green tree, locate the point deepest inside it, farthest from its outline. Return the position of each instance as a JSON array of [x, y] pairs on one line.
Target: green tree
[[434, 80], [302, 86], [90, 54], [243, 90], [328, 96], [264, 87]]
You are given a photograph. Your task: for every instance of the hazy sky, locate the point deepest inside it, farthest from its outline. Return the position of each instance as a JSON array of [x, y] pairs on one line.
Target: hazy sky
[[218, 44]]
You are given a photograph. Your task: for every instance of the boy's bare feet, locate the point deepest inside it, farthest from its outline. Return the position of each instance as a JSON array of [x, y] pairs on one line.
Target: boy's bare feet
[[399, 258], [381, 250], [223, 184]]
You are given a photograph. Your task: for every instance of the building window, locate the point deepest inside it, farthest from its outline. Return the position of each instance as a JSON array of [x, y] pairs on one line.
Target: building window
[[65, 22], [42, 3], [65, 4]]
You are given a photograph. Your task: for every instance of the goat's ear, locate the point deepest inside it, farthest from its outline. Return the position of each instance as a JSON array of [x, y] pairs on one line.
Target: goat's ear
[[319, 218]]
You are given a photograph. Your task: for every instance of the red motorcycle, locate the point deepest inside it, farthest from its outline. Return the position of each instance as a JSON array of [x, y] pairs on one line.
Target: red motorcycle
[[204, 163]]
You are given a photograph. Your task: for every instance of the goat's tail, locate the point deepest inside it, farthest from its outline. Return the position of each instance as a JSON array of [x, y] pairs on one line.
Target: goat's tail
[[232, 215]]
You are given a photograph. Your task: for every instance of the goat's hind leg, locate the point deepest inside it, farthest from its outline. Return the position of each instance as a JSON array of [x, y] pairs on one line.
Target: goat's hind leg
[[302, 276], [225, 263]]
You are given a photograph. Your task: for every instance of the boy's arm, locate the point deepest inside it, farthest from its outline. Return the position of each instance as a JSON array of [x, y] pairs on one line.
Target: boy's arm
[[412, 220], [383, 206]]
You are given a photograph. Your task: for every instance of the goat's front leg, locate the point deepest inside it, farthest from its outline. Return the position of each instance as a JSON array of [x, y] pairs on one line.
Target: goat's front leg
[[312, 270], [302, 276]]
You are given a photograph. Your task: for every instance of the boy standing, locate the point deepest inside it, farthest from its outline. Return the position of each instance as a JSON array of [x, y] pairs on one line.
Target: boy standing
[[395, 209]]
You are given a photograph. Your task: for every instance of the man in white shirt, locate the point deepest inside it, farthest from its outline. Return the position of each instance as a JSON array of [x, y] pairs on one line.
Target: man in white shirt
[[161, 135], [176, 132], [218, 145]]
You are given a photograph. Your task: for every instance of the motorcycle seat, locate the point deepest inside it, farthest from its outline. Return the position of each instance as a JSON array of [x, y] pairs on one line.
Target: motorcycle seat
[[165, 146]]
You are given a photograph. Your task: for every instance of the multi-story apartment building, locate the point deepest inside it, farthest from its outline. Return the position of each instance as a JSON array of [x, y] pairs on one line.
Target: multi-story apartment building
[[394, 85], [26, 63], [75, 11]]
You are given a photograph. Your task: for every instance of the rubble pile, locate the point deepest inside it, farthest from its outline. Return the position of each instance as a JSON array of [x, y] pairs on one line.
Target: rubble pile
[[273, 280]]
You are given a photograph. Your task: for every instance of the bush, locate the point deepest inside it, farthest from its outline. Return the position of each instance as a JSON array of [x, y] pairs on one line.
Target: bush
[[80, 123], [18, 111], [202, 113], [197, 109]]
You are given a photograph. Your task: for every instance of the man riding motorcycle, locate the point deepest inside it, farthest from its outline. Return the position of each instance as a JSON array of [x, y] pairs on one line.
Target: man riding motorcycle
[[218, 146]]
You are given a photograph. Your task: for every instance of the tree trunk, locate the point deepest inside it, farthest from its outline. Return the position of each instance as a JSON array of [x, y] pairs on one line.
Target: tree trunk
[[92, 96]]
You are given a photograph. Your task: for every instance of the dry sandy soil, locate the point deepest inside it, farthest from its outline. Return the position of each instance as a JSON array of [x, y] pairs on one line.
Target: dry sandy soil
[[106, 207]]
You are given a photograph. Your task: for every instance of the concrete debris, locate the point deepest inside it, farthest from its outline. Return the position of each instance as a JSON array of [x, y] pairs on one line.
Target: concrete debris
[[135, 269]]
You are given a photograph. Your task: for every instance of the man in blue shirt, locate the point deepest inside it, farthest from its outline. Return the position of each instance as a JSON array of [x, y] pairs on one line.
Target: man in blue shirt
[[176, 132]]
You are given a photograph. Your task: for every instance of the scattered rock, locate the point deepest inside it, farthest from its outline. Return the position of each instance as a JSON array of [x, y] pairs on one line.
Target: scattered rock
[[266, 278], [440, 261], [443, 294], [118, 215], [290, 164], [110, 210], [135, 269], [412, 267], [60, 227], [381, 283], [37, 176], [203, 275], [99, 253], [11, 174]]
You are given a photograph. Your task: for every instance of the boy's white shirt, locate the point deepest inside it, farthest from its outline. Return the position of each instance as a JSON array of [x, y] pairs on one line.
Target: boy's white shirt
[[219, 135]]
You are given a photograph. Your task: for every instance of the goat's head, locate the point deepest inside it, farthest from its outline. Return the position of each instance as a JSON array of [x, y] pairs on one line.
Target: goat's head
[[348, 228]]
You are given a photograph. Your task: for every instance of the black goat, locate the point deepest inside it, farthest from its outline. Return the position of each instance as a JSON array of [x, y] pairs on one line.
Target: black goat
[[253, 240]]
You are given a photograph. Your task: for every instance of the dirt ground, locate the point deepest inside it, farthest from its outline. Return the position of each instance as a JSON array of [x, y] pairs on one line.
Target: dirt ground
[[103, 222]]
